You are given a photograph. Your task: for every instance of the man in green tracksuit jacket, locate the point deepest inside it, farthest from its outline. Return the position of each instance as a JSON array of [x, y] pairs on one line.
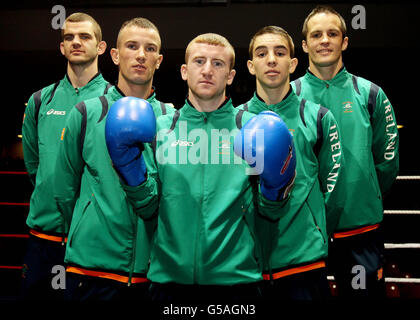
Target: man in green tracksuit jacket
[[296, 247], [43, 123], [108, 245], [370, 147], [205, 246]]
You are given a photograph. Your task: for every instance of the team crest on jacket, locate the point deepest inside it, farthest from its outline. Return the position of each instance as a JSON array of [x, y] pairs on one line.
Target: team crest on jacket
[[347, 106], [287, 161]]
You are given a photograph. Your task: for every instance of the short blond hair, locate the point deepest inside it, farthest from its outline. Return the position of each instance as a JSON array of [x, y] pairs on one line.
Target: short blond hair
[[141, 23], [212, 39], [323, 9], [81, 17]]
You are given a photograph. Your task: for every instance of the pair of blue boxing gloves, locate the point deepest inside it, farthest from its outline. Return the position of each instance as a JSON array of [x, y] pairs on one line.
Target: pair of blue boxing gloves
[[265, 137]]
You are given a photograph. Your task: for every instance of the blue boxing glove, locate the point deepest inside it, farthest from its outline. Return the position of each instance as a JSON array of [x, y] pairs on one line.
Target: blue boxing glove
[[266, 144], [130, 123]]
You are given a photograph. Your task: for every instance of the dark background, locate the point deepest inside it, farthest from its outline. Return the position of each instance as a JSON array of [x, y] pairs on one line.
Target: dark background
[[385, 53]]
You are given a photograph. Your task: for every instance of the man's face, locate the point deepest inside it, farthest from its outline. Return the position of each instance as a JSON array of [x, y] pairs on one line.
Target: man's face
[[324, 42], [271, 62], [207, 70], [137, 54], [79, 44]]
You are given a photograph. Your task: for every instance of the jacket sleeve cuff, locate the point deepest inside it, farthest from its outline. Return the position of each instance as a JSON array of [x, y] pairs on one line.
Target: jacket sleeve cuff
[[143, 198], [273, 210]]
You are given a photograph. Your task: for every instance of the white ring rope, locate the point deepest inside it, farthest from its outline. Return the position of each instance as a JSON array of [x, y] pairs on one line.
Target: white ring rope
[[396, 246], [403, 280], [402, 245], [389, 279], [408, 178], [401, 211]]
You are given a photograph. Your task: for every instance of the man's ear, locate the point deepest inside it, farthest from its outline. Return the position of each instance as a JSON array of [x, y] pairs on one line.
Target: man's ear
[[231, 76], [250, 66], [184, 72], [304, 46], [101, 47], [293, 65], [345, 44], [115, 56], [159, 62], [62, 48]]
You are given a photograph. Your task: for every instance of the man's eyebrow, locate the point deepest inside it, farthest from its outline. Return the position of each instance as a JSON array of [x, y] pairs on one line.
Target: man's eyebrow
[[136, 42], [85, 34], [81, 33], [198, 57], [276, 47], [260, 47], [329, 30], [281, 47]]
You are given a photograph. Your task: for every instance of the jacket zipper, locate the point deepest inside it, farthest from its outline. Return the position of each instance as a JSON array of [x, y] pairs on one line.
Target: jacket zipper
[[197, 237], [133, 256]]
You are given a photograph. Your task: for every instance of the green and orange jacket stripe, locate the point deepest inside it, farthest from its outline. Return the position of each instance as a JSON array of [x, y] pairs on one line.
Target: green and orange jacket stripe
[[47, 236], [295, 270], [45, 116], [349, 233], [300, 236], [370, 142], [106, 275], [105, 233]]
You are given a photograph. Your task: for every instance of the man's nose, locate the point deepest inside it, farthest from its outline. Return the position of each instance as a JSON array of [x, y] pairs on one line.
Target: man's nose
[[141, 54], [207, 68], [76, 41], [325, 38], [271, 58]]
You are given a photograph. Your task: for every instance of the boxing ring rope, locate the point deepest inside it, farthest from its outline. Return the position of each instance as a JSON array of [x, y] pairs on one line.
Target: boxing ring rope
[[330, 278], [408, 178], [401, 211], [390, 280], [402, 245]]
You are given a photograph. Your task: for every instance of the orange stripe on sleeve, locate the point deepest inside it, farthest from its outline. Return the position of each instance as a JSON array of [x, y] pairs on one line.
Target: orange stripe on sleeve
[[288, 272], [47, 236], [355, 231], [105, 275]]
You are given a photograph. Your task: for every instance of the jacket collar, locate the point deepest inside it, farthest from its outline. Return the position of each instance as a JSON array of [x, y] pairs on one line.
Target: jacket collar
[[190, 110], [117, 93], [337, 80], [290, 98], [97, 76]]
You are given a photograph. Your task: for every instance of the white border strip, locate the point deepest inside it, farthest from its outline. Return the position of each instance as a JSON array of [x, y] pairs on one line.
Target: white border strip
[[392, 280], [402, 245], [408, 178], [401, 211]]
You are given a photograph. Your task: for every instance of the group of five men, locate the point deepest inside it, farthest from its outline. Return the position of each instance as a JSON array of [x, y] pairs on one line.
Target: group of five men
[[165, 220]]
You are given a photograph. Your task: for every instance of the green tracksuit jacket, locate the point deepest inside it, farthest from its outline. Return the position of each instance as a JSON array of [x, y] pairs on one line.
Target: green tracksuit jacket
[[206, 231], [300, 235], [44, 120], [105, 233], [369, 140]]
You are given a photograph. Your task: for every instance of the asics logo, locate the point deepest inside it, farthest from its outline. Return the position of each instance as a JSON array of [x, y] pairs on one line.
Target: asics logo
[[182, 143], [56, 112]]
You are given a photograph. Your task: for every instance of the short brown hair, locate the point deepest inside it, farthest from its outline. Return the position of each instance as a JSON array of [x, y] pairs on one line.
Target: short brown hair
[[141, 23], [272, 30], [212, 39], [80, 17], [323, 9]]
